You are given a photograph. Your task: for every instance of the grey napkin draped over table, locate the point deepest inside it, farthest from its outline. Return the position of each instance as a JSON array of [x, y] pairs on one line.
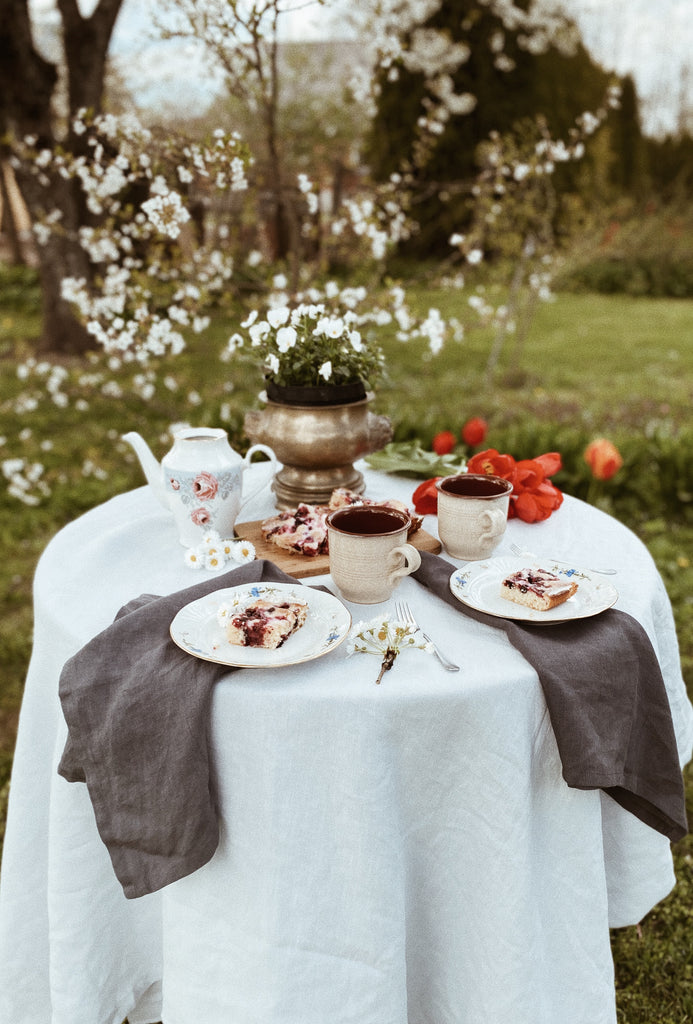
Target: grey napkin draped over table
[[607, 702], [137, 709], [138, 715]]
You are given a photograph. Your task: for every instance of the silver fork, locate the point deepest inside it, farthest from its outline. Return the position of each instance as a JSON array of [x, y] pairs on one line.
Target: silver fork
[[405, 614], [528, 554]]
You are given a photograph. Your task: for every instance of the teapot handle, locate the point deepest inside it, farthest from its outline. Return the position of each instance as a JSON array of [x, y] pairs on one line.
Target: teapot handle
[[249, 454]]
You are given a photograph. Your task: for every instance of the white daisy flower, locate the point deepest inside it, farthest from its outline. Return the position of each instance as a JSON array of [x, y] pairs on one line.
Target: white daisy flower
[[214, 562], [223, 612], [227, 548], [243, 552], [211, 541], [194, 559]]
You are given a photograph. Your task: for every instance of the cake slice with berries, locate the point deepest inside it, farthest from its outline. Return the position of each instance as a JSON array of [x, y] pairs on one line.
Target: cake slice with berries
[[302, 529], [264, 623], [537, 588]]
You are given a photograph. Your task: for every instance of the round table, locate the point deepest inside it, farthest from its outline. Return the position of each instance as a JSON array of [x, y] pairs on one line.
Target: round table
[[406, 853]]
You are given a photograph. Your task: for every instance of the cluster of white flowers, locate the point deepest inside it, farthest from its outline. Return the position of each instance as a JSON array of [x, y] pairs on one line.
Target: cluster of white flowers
[[25, 480], [48, 377], [380, 634], [305, 186], [385, 637], [155, 280], [166, 212], [215, 553], [125, 314], [381, 225]]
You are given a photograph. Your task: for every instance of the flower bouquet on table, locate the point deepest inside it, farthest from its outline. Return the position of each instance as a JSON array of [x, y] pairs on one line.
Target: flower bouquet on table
[[319, 367], [310, 346]]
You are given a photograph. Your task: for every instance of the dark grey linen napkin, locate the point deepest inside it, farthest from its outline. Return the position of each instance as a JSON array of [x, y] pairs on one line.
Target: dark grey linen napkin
[[607, 702], [138, 715]]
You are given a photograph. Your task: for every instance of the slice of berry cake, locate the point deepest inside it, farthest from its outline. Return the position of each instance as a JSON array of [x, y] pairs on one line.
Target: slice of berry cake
[[537, 588], [302, 529], [266, 624]]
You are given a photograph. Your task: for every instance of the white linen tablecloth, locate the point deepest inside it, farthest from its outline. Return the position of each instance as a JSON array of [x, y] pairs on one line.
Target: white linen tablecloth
[[398, 854]]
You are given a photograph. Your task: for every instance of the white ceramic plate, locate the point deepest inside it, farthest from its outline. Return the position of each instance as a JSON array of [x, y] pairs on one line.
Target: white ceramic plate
[[478, 585], [196, 628]]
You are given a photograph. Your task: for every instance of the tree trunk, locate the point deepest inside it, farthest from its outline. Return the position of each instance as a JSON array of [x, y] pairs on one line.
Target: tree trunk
[[62, 256], [8, 222], [27, 86]]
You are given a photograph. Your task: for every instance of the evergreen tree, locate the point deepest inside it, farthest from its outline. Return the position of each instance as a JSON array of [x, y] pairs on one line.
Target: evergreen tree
[[511, 86]]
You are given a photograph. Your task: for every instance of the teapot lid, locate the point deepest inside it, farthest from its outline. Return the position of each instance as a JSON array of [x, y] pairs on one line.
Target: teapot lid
[[200, 434]]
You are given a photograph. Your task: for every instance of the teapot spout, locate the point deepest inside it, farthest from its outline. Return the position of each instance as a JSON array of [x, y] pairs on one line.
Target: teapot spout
[[151, 468]]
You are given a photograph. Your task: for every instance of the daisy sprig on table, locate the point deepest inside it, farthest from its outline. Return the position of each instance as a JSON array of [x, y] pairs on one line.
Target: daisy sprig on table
[[215, 553], [386, 637]]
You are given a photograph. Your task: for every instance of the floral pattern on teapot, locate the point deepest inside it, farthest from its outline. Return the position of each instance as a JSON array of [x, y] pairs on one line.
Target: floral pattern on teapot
[[196, 490]]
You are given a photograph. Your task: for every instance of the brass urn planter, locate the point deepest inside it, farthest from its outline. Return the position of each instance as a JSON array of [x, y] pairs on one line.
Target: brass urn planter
[[317, 446]]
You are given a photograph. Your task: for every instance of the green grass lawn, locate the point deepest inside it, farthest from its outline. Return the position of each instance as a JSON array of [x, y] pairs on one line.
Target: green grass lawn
[[592, 365]]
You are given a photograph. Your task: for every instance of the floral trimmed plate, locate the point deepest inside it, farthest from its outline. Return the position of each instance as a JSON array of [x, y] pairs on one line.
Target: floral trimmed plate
[[478, 584], [198, 627]]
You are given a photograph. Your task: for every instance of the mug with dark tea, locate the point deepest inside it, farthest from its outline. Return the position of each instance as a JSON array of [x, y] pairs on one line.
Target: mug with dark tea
[[368, 551], [472, 513]]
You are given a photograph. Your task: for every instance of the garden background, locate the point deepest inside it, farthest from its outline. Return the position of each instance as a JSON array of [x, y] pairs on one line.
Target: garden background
[[574, 322]]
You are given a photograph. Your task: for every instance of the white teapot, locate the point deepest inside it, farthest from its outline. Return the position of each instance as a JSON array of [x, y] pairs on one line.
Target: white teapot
[[200, 480]]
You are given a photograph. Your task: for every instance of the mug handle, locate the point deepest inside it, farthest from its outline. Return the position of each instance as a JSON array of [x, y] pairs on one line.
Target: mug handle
[[248, 455], [497, 520], [411, 561]]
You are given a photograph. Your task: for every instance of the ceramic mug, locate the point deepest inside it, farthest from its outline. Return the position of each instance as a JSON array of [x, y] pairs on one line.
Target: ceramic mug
[[368, 551], [472, 514]]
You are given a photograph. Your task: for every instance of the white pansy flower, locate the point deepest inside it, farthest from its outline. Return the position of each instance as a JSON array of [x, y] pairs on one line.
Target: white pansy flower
[[325, 370], [258, 332], [286, 338], [277, 317], [234, 343]]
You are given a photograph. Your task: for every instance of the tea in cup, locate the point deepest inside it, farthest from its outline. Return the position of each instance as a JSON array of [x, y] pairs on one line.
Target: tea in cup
[[472, 514], [368, 551]]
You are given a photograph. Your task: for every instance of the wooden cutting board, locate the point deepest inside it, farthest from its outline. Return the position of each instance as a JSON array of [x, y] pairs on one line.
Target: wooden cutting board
[[302, 566]]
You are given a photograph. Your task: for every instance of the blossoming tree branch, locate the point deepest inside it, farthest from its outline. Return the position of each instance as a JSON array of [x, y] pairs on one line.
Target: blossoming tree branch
[[152, 268]]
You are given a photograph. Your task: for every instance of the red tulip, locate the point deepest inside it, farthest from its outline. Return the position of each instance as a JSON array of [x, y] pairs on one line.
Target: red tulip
[[603, 458], [533, 498], [444, 442], [551, 462], [474, 431], [492, 463], [425, 498]]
